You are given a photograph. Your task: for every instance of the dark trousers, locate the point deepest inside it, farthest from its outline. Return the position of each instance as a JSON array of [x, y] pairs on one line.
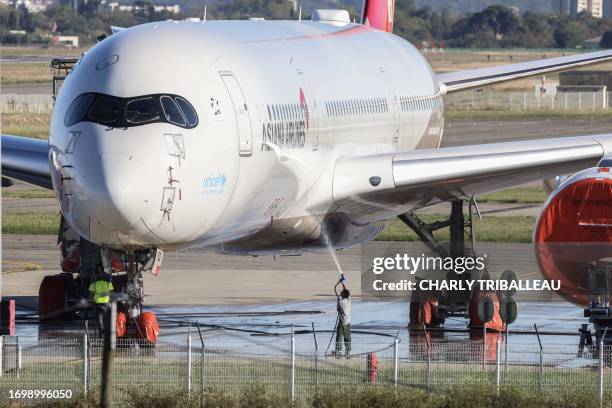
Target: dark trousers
[[102, 310], [343, 333]]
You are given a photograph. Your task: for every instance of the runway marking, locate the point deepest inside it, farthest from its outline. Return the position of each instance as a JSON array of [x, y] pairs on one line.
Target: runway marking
[[9, 266]]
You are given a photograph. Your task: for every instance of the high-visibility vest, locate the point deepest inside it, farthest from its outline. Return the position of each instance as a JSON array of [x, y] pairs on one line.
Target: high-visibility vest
[[101, 290]]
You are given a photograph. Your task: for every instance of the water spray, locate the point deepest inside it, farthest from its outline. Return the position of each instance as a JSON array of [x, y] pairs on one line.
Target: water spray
[[332, 250], [341, 278]]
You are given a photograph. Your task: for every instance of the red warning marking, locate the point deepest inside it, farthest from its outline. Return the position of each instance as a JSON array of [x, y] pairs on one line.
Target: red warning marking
[[303, 105]]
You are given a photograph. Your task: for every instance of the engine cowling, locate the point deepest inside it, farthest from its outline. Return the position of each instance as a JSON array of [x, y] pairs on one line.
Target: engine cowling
[[574, 230]]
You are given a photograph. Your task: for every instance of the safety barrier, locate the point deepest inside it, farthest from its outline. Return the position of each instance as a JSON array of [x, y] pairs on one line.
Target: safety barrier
[[467, 100], [295, 367], [527, 101], [13, 103]]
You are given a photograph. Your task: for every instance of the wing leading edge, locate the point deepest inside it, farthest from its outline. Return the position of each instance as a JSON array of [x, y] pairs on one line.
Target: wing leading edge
[[25, 159], [474, 78], [371, 185]]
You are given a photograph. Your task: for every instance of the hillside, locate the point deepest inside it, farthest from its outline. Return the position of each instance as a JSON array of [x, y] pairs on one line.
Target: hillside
[[471, 6], [458, 6]]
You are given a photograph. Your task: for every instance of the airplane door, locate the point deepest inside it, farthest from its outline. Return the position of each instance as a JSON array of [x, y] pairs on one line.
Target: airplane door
[[394, 106], [241, 111]]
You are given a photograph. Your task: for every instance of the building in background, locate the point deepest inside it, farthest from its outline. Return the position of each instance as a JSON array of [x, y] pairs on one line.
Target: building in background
[[65, 40], [33, 6], [574, 7], [171, 8], [116, 6], [607, 8]]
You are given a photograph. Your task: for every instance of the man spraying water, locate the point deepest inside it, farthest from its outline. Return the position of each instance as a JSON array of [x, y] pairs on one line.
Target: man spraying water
[[343, 329]]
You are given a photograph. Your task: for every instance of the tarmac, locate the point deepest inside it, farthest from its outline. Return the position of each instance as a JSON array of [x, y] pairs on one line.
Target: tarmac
[[274, 293], [27, 89], [476, 131], [195, 277]]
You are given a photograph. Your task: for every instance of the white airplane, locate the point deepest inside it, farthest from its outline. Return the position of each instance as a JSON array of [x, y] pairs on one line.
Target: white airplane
[[262, 137]]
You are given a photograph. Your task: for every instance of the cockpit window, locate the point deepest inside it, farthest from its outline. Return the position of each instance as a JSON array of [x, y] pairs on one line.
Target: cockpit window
[[113, 111], [172, 112], [188, 111], [77, 109], [105, 110], [143, 110]]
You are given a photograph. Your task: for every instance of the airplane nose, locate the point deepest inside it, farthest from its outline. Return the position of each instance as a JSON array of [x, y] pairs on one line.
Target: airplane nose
[[125, 191], [113, 191]]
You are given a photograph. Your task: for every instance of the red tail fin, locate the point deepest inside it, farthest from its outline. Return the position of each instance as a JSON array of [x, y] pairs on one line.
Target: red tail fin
[[378, 14]]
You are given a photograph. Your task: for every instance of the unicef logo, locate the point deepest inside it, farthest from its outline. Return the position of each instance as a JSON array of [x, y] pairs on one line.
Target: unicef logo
[[214, 183]]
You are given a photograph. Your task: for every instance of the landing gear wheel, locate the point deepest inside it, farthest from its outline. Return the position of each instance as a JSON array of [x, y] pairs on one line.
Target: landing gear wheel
[[148, 328], [122, 323], [425, 312]]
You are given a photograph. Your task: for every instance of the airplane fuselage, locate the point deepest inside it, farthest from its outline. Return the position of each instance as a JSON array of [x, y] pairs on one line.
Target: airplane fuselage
[[277, 104]]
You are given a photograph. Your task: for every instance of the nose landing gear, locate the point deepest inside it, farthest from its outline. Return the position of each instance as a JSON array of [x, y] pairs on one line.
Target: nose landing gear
[[140, 324], [63, 297]]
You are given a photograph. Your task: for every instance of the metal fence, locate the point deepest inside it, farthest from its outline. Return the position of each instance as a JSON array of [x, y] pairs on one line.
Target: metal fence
[[527, 101], [468, 100], [293, 367], [13, 103]]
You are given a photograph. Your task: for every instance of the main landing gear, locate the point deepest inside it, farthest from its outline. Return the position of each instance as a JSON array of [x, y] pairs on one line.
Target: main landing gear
[[598, 311], [430, 309], [64, 296]]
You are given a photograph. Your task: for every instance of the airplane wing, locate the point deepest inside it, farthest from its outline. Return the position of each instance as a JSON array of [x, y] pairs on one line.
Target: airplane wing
[[368, 185], [25, 159], [474, 78]]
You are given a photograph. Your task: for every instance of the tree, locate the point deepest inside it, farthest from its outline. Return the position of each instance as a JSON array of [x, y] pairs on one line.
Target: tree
[[570, 34], [606, 40]]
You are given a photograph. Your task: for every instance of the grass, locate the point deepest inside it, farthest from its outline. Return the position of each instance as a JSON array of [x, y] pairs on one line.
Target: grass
[[450, 60], [29, 193], [524, 195], [49, 51], [454, 59], [491, 229], [26, 73], [157, 378], [257, 396], [26, 124], [30, 223], [461, 59]]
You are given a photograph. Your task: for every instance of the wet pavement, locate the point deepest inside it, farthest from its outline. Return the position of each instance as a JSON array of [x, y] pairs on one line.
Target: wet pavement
[[373, 322]]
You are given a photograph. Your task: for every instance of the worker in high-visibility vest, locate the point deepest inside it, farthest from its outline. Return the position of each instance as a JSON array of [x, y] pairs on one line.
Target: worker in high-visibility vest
[[100, 295]]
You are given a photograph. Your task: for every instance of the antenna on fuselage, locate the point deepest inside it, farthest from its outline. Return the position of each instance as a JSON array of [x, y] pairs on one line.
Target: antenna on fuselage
[[204, 18], [300, 14]]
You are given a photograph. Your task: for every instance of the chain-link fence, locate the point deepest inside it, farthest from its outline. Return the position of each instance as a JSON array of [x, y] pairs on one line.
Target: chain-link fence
[[294, 367]]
